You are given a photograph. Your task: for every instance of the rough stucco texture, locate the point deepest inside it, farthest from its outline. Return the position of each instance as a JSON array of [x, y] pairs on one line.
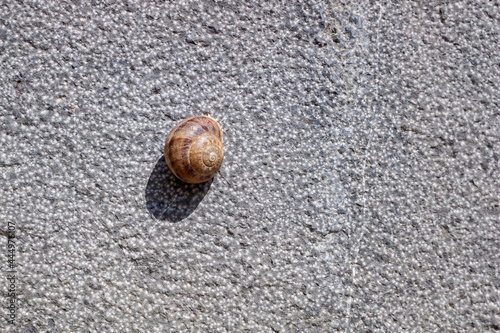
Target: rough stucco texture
[[360, 187]]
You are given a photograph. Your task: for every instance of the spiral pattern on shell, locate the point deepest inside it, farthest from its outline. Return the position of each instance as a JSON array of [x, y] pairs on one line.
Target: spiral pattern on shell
[[193, 149]]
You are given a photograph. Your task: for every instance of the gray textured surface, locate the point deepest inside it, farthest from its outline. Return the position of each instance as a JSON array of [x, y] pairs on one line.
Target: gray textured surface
[[360, 188]]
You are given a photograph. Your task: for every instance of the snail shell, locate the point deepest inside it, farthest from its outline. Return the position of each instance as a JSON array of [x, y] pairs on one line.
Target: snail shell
[[193, 149]]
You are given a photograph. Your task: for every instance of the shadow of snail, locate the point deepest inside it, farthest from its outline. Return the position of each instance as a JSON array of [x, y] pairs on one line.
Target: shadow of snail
[[170, 199]]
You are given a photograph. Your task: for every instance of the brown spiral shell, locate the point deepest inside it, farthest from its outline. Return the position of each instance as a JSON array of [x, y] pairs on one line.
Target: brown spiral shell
[[193, 149]]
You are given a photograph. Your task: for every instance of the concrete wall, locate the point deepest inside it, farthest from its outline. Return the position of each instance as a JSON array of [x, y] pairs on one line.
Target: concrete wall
[[359, 192]]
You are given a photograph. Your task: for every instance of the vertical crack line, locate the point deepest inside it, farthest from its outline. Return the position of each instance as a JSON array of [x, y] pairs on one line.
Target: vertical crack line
[[375, 107]]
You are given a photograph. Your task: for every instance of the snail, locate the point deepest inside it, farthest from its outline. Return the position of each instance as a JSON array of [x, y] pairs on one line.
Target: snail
[[193, 149]]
